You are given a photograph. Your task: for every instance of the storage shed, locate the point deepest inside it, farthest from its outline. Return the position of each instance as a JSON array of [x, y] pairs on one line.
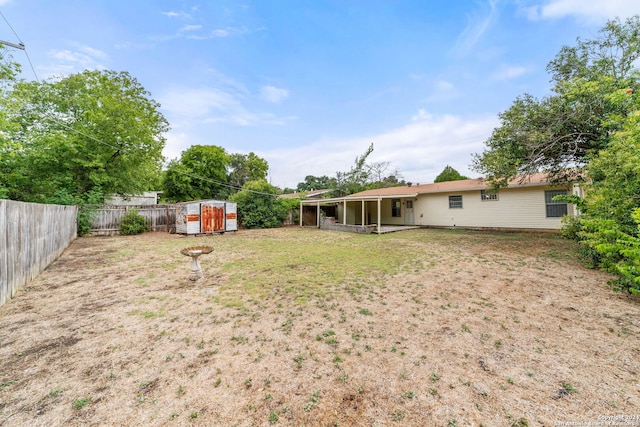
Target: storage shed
[[206, 216]]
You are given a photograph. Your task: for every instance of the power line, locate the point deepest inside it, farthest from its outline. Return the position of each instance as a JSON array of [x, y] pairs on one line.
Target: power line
[[22, 46]]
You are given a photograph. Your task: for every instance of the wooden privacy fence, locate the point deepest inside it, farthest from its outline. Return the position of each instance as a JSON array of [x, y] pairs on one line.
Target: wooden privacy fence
[[32, 235], [159, 218]]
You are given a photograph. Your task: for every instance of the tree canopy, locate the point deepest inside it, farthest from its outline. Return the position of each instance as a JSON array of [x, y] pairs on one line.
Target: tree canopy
[[87, 132], [589, 124], [565, 130], [316, 183], [209, 172], [449, 174]]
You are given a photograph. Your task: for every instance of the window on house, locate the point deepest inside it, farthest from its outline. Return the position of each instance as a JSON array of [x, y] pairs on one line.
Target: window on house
[[395, 208], [409, 204], [488, 195], [455, 202], [555, 209]]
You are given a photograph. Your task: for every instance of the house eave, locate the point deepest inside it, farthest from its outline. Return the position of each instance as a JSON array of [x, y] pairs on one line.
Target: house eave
[[358, 198]]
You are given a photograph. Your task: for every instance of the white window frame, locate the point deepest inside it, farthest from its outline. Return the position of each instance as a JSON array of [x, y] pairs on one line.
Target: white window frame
[[549, 203], [489, 195], [454, 201]]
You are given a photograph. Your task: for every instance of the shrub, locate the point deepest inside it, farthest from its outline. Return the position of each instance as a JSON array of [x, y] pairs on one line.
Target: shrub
[[258, 206], [133, 223]]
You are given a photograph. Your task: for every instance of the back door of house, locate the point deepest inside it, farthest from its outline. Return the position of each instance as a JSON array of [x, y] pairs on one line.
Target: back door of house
[[408, 212]]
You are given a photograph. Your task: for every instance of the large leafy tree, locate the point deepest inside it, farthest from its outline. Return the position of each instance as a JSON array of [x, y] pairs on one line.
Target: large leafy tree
[[609, 225], [200, 173], [243, 168], [312, 182], [565, 130], [590, 122], [87, 131], [10, 149], [356, 178], [449, 174]]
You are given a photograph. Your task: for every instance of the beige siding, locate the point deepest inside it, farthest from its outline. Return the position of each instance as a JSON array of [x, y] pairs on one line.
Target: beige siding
[[515, 208], [354, 212], [385, 213]]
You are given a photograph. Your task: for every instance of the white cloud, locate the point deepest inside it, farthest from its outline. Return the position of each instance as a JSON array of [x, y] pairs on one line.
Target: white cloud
[[226, 102], [507, 72], [593, 10], [190, 28], [478, 24], [220, 33], [172, 14], [422, 115], [273, 94], [419, 150], [177, 142], [444, 86], [93, 53], [65, 62]]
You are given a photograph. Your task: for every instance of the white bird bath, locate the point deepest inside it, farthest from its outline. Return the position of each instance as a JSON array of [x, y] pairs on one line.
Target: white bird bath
[[194, 253]]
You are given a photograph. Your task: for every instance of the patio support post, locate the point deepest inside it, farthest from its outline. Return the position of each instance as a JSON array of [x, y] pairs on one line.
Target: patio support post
[[301, 207], [344, 211], [363, 212], [379, 211], [318, 214]]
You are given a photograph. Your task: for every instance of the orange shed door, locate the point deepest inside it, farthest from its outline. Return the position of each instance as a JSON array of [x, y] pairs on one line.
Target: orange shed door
[[212, 218]]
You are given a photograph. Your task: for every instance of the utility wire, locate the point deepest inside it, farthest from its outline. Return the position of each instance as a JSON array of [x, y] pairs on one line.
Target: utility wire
[[24, 47], [50, 115]]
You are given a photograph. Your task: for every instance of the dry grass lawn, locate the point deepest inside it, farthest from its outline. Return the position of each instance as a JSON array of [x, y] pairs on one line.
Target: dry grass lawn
[[300, 327]]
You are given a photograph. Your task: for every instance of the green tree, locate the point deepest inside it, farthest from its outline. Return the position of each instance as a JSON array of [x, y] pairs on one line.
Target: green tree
[[608, 225], [316, 183], [449, 174], [200, 173], [258, 206], [10, 149], [565, 130], [356, 179], [243, 168], [95, 129]]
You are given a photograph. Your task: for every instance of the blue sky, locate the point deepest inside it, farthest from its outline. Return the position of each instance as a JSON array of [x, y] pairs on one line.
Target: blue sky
[[308, 85]]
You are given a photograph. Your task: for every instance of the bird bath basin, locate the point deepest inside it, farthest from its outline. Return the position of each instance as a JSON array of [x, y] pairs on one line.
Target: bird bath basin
[[194, 253]]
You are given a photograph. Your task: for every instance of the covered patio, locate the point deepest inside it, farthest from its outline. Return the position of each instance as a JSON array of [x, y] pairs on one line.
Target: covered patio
[[363, 210]]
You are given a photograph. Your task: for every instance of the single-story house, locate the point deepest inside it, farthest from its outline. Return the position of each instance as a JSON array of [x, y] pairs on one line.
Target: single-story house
[[525, 204]]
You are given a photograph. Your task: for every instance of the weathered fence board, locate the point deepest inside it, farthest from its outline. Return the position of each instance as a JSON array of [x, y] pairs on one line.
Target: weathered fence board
[[32, 236], [159, 218]]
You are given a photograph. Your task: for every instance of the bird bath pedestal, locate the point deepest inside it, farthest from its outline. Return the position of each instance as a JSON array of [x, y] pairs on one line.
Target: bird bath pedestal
[[194, 252]]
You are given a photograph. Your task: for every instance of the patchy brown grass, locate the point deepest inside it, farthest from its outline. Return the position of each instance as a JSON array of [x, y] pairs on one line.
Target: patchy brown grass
[[299, 327]]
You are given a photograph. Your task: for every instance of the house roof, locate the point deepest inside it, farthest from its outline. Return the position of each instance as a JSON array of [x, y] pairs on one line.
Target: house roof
[[533, 180], [304, 194]]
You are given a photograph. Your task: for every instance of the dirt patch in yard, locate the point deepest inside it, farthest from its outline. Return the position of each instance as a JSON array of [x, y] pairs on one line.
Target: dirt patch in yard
[[299, 327]]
